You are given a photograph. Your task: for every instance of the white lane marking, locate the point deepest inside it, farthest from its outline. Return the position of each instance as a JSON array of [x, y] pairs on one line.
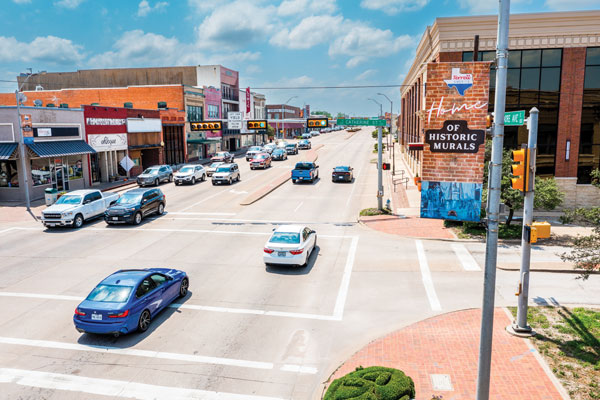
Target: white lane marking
[[353, 187], [113, 388], [299, 368], [201, 231], [466, 259], [340, 302], [199, 213], [7, 230], [298, 206], [138, 353], [41, 296], [238, 191], [426, 277]]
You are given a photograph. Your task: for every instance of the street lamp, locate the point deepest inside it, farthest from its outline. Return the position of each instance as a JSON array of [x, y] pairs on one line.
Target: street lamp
[[379, 162], [380, 106], [283, 115], [390, 133], [22, 139]]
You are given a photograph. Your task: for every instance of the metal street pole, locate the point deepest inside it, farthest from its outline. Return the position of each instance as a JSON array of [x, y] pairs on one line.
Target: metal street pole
[[495, 175], [283, 119], [390, 133], [379, 170], [22, 153], [521, 325]]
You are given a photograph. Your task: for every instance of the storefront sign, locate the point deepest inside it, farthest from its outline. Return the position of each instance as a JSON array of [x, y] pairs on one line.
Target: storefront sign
[[105, 121], [248, 100], [461, 82], [144, 125], [44, 132], [126, 163], [454, 137], [115, 141]]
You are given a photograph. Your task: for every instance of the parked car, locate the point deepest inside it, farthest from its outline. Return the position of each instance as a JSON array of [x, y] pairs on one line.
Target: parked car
[[281, 144], [129, 299], [290, 245], [291, 148], [279, 154], [224, 156], [305, 171], [134, 205], [226, 173], [210, 170], [268, 148], [252, 151], [306, 136], [76, 207], [315, 133], [261, 160], [190, 174], [342, 174], [155, 175], [304, 144]]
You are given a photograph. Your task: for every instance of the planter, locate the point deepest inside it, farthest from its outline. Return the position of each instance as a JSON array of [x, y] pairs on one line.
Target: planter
[[419, 185], [417, 180]]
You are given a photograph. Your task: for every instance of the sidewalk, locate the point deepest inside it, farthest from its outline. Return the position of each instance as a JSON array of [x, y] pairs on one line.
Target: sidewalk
[[445, 349]]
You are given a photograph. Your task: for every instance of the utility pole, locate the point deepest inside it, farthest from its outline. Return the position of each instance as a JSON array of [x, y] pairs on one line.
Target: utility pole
[[379, 160], [521, 326], [493, 207], [283, 119], [390, 134]]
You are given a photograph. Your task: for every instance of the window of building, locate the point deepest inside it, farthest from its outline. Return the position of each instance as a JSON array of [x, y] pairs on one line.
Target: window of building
[[41, 173], [8, 173], [195, 113], [75, 167], [589, 142], [213, 111]]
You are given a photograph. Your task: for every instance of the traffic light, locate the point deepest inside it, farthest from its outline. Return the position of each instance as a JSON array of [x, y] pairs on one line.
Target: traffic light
[[385, 166], [520, 170], [317, 122], [257, 124], [489, 120], [206, 126]]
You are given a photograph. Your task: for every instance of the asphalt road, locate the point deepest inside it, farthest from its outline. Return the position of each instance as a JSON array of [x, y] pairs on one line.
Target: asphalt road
[[244, 331]]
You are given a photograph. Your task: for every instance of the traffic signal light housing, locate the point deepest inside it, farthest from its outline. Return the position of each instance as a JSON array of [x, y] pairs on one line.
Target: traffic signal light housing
[[520, 170], [257, 124], [489, 120], [206, 126], [385, 166], [317, 122]]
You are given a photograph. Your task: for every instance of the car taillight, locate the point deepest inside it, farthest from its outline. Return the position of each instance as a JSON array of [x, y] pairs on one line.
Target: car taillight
[[121, 315], [77, 312], [296, 252], [268, 251]]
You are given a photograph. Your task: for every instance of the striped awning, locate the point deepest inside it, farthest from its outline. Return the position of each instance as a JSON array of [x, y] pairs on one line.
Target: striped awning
[[203, 141], [7, 150], [60, 148]]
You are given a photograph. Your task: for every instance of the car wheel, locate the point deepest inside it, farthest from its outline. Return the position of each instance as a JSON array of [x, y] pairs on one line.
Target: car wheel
[[161, 209], [214, 183], [176, 183], [171, 178], [144, 321], [183, 287], [137, 218], [203, 177], [193, 180], [230, 181], [156, 182], [239, 178], [293, 181], [78, 221]]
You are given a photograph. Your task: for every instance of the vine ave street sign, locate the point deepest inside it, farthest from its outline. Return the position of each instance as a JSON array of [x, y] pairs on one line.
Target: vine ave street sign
[[514, 118], [361, 122]]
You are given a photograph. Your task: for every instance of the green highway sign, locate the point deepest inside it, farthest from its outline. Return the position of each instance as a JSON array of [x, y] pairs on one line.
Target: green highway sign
[[514, 118], [361, 122]]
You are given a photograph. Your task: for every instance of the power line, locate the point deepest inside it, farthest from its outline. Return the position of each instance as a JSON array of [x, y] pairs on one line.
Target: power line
[[329, 87]]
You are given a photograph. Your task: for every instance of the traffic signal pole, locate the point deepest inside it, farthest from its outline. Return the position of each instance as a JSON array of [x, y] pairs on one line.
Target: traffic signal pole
[[493, 207], [521, 327], [379, 170]]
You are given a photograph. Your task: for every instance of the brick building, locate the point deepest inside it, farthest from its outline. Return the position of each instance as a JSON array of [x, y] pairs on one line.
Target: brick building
[[284, 111], [554, 65]]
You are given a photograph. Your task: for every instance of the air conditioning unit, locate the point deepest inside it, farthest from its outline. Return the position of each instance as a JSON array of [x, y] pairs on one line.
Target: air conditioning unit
[[162, 104], [128, 105], [38, 88], [63, 105], [50, 105]]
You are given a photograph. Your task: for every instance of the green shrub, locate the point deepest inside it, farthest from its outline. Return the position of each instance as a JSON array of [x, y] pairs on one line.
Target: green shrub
[[372, 383], [367, 212]]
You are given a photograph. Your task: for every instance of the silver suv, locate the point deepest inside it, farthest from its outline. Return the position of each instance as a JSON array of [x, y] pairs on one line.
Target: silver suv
[[226, 173]]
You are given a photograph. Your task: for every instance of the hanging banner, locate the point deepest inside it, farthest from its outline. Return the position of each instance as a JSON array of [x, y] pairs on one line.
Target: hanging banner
[[248, 100]]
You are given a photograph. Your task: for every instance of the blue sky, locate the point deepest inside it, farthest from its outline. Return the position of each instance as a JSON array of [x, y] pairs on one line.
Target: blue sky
[[271, 42]]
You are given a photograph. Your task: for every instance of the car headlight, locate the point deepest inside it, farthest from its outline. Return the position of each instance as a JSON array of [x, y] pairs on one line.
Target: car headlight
[[67, 214]]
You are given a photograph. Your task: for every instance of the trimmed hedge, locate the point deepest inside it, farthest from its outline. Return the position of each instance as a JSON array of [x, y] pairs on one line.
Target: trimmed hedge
[[372, 383]]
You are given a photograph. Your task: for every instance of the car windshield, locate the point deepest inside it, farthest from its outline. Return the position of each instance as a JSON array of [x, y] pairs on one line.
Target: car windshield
[[255, 148], [221, 154], [223, 169], [187, 169], [261, 156], [290, 145], [304, 141], [278, 151], [341, 169], [151, 171], [304, 166], [285, 237], [129, 198], [215, 165], [110, 293], [67, 199]]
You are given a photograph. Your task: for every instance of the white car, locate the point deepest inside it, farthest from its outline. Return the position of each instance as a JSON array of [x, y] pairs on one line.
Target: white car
[[252, 151], [290, 245], [315, 133], [75, 207], [268, 148], [190, 174], [210, 170]]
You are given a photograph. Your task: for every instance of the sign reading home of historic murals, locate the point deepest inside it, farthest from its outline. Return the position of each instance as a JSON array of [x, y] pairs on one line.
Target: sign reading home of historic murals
[[454, 137]]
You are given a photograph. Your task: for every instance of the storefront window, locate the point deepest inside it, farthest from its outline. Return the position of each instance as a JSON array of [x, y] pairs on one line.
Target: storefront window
[[41, 174], [8, 174], [589, 144], [213, 111], [75, 167], [195, 113]]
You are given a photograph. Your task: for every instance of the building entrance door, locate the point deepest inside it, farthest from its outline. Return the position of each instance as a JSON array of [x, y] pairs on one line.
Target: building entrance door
[[95, 164], [232, 146], [60, 175]]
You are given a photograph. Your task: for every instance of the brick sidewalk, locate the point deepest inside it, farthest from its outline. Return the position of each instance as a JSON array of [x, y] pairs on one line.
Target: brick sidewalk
[[449, 344], [409, 226]]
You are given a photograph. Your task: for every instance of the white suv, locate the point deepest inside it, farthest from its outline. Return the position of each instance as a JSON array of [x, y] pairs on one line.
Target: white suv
[[226, 173]]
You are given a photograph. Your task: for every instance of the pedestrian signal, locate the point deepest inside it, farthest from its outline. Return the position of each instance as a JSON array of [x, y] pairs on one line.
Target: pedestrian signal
[[206, 126], [317, 122], [385, 166], [257, 124]]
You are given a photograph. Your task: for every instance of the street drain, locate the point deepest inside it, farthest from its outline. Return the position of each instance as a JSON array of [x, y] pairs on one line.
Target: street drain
[[441, 382]]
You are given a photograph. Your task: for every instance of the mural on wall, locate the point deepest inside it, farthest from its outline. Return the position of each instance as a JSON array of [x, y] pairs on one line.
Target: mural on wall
[[458, 201]]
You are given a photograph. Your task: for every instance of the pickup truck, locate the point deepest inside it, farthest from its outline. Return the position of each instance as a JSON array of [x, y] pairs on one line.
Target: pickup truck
[[305, 171], [74, 208]]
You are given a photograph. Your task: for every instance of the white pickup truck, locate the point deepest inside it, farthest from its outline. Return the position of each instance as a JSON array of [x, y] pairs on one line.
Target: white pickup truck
[[73, 208]]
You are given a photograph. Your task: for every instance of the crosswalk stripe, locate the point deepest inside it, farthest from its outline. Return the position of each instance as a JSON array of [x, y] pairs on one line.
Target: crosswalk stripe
[[434, 302], [466, 259]]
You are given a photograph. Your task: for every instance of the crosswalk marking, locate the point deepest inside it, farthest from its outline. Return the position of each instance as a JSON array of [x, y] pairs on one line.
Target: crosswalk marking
[[466, 259], [434, 302]]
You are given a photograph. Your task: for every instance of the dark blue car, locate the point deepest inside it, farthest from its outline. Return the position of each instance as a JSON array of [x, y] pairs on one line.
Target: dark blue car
[[128, 300]]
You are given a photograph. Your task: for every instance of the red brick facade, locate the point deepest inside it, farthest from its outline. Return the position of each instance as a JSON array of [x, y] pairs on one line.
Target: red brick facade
[[472, 107], [569, 113], [450, 56]]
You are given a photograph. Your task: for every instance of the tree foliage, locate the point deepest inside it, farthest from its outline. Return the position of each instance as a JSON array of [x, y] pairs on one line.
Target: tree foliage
[[586, 249], [372, 383], [324, 113]]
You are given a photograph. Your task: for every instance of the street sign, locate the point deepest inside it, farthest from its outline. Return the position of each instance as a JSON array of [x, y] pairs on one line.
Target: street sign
[[27, 140], [361, 122], [234, 120], [514, 118]]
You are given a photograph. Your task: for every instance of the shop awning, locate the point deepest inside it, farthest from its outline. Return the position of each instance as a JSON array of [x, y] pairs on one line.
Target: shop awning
[[60, 148], [7, 150], [203, 141]]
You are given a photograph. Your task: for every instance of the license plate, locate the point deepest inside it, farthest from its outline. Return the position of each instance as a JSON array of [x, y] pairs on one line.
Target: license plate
[[115, 218], [301, 178], [281, 253], [50, 224], [340, 177], [97, 317]]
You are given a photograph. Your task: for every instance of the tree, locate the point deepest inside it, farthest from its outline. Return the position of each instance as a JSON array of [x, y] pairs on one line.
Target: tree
[[586, 249], [270, 131], [324, 113], [341, 115]]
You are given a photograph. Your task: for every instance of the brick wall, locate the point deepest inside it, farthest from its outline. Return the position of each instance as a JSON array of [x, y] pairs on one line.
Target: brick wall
[[455, 167], [569, 112]]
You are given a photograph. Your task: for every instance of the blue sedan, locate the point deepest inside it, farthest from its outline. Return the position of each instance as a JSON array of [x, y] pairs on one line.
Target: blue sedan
[[128, 300]]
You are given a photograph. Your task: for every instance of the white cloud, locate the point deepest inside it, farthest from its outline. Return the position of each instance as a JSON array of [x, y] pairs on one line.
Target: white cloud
[[21, 1], [310, 32], [49, 49], [301, 7], [144, 8], [561, 5], [392, 7], [71, 4], [203, 6], [491, 6], [366, 74], [253, 69]]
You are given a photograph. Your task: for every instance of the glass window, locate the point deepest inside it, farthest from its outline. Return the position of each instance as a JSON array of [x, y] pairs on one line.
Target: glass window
[[195, 113], [530, 79], [110, 293], [75, 167], [213, 111], [514, 59], [146, 286], [285, 237], [467, 56], [8, 173], [487, 55], [592, 56], [551, 57], [550, 80], [531, 58], [158, 279], [512, 78], [40, 172], [592, 78]]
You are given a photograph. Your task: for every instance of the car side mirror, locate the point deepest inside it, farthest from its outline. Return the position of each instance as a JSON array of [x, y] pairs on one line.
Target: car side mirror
[[112, 203], [144, 201], [86, 202]]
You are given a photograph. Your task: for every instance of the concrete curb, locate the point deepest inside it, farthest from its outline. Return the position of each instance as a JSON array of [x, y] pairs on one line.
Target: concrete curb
[[557, 271], [270, 187]]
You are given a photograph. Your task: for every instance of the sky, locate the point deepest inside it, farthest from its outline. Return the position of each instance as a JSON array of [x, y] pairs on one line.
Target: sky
[[272, 43]]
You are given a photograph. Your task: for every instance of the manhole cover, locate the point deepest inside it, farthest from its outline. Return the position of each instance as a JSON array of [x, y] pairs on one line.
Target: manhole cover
[[441, 382]]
